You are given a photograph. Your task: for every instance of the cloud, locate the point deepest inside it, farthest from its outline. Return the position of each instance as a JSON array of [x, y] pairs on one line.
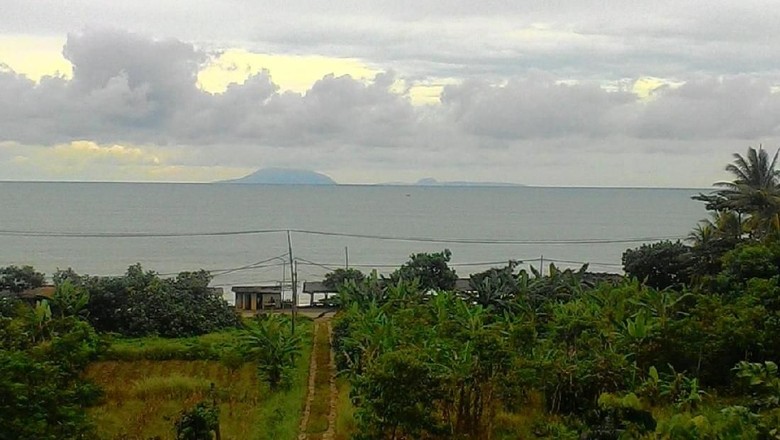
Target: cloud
[[86, 160], [290, 72], [740, 107], [82, 152], [135, 102], [445, 38], [537, 107]]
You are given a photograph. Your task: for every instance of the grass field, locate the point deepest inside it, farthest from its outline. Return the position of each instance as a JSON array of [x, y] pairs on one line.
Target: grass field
[[205, 347], [143, 397]]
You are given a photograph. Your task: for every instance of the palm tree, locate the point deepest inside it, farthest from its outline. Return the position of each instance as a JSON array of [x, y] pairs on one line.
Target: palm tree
[[754, 192], [755, 174], [702, 234], [722, 225], [755, 170]]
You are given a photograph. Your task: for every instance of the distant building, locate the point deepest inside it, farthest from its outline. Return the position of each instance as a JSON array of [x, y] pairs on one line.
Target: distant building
[[254, 298], [31, 296], [317, 287], [463, 285]]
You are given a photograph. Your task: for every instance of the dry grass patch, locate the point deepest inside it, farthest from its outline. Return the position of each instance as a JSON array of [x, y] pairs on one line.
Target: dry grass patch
[[144, 397]]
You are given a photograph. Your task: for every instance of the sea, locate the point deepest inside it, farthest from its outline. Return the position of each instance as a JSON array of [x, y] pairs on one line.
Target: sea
[[240, 232]]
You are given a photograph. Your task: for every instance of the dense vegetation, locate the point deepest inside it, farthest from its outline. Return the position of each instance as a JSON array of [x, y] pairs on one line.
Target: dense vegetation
[[686, 347], [49, 378], [43, 354], [142, 303]]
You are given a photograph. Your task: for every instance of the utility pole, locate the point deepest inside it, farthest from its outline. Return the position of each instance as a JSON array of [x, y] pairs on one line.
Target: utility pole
[[541, 265], [346, 257], [294, 280]]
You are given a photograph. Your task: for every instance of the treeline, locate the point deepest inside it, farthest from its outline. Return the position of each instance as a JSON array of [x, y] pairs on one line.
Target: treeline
[[604, 361], [140, 303]]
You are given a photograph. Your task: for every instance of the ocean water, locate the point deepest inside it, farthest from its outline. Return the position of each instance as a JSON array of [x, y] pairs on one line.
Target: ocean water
[[567, 225]]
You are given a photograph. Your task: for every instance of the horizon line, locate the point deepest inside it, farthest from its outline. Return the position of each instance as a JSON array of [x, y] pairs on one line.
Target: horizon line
[[442, 184]]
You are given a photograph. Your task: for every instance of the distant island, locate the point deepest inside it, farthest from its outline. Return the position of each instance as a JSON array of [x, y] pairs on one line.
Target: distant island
[[290, 176], [283, 176], [430, 181]]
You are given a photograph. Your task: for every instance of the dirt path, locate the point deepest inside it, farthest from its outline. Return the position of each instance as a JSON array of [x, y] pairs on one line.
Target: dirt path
[[319, 414]]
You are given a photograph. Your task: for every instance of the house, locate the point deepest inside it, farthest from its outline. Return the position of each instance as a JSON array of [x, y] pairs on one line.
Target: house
[[463, 285], [256, 298], [317, 287], [31, 296]]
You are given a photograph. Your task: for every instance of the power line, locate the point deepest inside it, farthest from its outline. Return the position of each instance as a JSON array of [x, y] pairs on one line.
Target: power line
[[312, 263], [479, 241], [488, 240], [333, 266], [17, 233], [256, 265], [593, 263]]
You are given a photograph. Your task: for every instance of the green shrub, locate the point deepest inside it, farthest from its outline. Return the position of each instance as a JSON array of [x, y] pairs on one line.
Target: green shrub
[[660, 265], [197, 423]]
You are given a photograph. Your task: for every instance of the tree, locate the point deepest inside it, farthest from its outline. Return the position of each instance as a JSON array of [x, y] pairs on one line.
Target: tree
[[751, 261], [660, 265], [755, 171], [495, 288], [42, 386], [398, 396], [18, 279], [430, 270], [339, 277], [70, 299], [274, 347], [141, 303], [754, 192], [711, 239]]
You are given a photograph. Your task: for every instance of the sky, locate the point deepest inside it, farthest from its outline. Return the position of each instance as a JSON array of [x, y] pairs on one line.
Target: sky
[[557, 92]]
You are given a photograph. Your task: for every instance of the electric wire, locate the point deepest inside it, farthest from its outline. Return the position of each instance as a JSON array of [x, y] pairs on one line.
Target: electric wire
[[255, 265], [488, 240], [474, 241], [18, 233]]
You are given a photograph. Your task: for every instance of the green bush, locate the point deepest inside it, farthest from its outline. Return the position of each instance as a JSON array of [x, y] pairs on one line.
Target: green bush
[[42, 360], [751, 261], [197, 423], [660, 265], [141, 303]]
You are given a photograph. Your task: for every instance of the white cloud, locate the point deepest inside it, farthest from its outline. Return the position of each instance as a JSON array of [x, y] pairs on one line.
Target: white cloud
[[134, 103]]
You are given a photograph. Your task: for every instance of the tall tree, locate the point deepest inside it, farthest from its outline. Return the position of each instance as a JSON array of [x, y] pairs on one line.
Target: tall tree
[[430, 270], [753, 194]]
